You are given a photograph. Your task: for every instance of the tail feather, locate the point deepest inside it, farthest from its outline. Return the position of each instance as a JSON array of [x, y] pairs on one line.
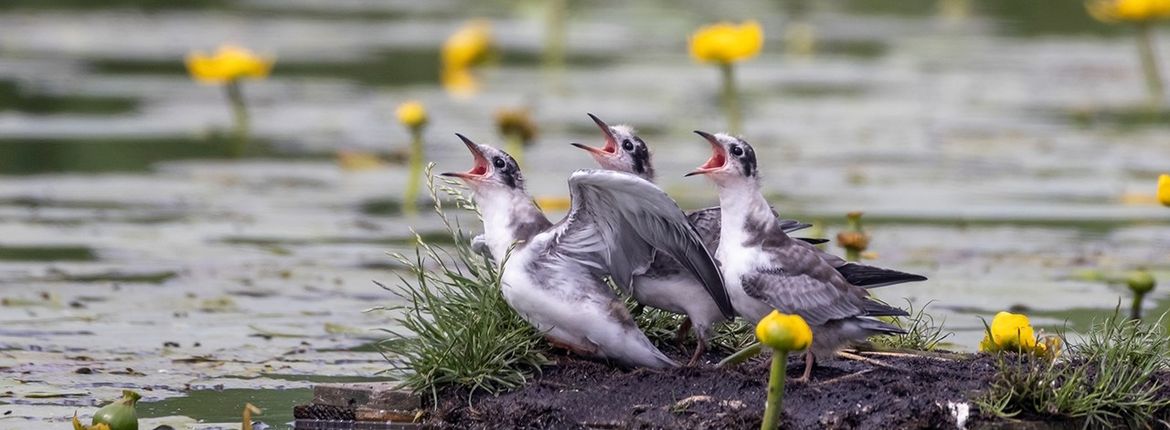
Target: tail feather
[[879, 327], [874, 277], [874, 308], [791, 225], [811, 240]]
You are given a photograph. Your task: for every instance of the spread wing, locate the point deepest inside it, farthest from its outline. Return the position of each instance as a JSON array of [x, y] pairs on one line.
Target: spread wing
[[617, 221]]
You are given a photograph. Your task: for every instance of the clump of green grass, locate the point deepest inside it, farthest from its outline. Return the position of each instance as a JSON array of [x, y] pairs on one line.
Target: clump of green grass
[[456, 328], [660, 326], [923, 333], [733, 336], [1106, 379]]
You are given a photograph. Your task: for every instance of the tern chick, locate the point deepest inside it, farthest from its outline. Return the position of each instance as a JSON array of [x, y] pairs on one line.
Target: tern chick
[[764, 269], [553, 274]]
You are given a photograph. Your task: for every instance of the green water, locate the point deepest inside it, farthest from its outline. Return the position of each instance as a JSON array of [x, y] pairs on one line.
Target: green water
[[225, 406], [47, 253]]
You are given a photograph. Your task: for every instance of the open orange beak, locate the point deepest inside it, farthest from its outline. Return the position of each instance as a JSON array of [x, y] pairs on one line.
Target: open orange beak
[[610, 148], [718, 158], [479, 170]]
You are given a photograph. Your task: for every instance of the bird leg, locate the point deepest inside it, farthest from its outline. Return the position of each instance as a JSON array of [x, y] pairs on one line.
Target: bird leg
[[681, 335], [700, 348], [810, 360]]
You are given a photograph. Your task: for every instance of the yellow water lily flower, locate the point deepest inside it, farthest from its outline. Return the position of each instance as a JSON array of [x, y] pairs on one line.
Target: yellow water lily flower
[[784, 332], [469, 46], [412, 114], [229, 63], [1164, 189], [1009, 332], [1128, 10], [727, 43]]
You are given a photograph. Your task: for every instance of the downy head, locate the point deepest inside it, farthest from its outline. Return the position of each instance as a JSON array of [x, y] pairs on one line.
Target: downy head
[[624, 151], [732, 160], [494, 170]]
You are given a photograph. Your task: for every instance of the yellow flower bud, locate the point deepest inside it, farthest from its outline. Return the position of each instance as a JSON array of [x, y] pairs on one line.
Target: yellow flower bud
[[1009, 332], [727, 43], [412, 114], [1140, 282], [1128, 10], [783, 332], [229, 63], [855, 240], [1164, 189], [516, 122]]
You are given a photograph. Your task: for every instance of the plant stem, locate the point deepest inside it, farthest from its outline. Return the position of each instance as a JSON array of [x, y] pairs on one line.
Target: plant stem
[[1150, 64], [741, 356], [775, 391], [515, 147], [240, 120], [1135, 312], [410, 198], [730, 98], [852, 254], [554, 36]]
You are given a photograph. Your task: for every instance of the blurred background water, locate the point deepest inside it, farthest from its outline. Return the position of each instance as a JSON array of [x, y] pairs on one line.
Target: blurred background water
[[999, 147]]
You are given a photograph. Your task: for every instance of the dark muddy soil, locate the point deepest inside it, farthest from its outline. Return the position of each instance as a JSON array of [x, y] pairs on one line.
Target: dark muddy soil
[[904, 392]]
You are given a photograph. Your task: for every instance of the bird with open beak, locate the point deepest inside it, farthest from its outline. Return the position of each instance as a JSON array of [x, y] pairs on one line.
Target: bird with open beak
[[553, 275], [766, 270]]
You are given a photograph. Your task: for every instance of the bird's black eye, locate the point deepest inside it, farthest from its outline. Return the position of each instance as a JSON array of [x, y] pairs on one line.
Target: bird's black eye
[[626, 145], [499, 162], [736, 151]]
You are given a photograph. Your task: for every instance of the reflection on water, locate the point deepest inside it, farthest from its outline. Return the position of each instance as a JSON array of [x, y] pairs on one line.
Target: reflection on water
[[46, 253], [15, 98], [24, 156]]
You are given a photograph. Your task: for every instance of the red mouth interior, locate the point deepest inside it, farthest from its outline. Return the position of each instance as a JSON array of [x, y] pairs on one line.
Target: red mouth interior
[[610, 146], [716, 161], [481, 164]]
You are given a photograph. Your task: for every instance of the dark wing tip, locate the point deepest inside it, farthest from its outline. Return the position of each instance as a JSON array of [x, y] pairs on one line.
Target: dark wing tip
[[872, 277]]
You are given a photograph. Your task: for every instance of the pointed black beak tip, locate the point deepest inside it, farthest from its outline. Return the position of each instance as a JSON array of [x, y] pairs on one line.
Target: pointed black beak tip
[[599, 122], [579, 145], [691, 174], [449, 174], [465, 139]]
